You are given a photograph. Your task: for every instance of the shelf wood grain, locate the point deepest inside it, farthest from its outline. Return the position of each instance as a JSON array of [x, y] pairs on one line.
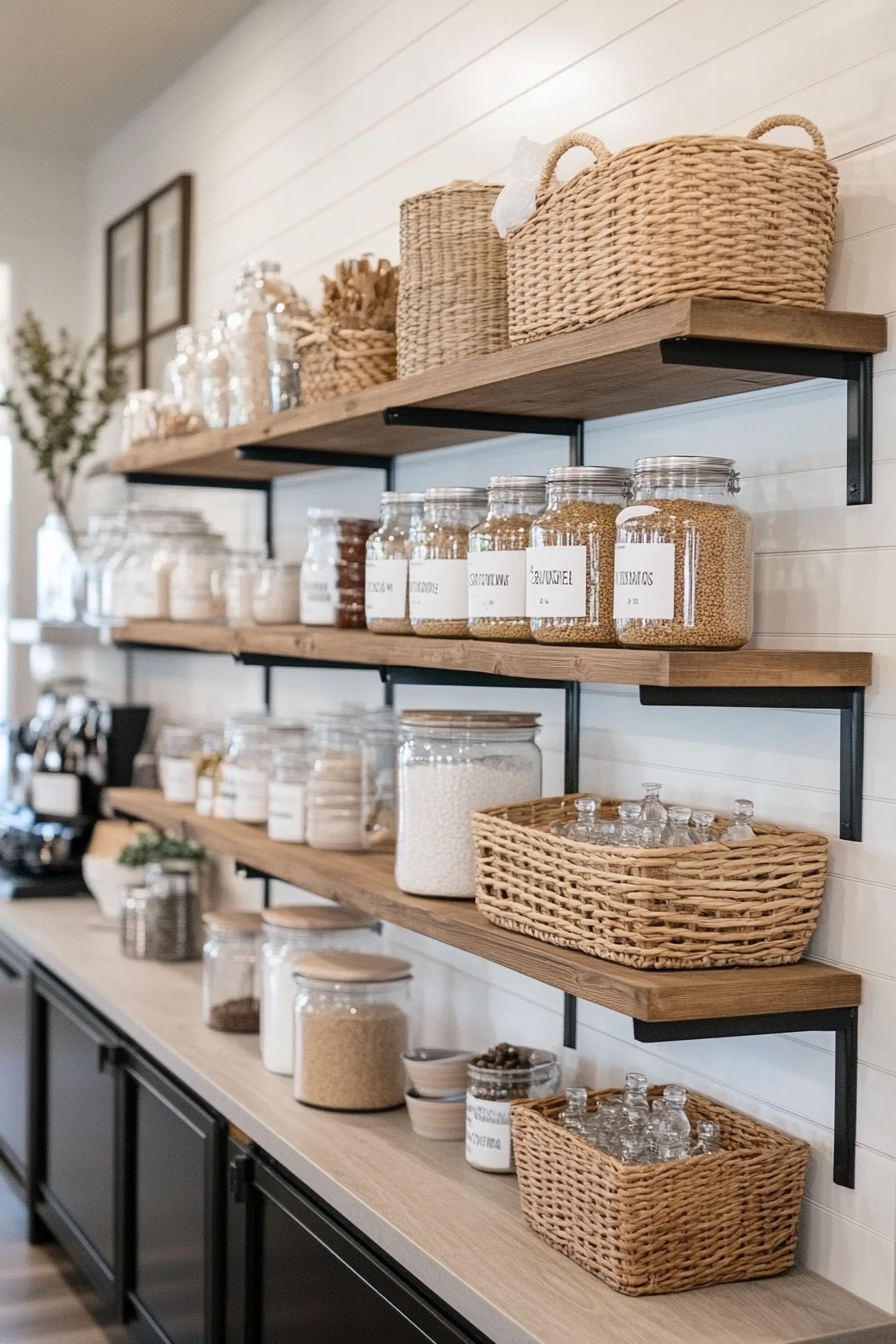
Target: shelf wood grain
[[366, 881], [611, 369], [624, 667]]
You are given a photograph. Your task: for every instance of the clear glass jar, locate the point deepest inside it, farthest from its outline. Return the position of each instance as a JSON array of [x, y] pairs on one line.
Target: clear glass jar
[[258, 291], [333, 816], [230, 970], [450, 765], [497, 558], [286, 794], [208, 762], [139, 423], [179, 408], [331, 586], [215, 374], [96, 553], [275, 599], [141, 586], [570, 561], [283, 364], [239, 586], [352, 1026], [172, 912], [250, 759], [386, 569], [379, 745], [176, 750], [292, 931], [490, 1090], [684, 557], [196, 580], [437, 577]]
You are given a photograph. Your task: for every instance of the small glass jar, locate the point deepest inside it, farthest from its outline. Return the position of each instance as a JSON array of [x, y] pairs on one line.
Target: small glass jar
[[139, 423], [141, 585], [173, 929], [386, 570], [437, 579], [684, 557], [103, 541], [179, 408], [230, 970], [332, 580], [292, 931], [177, 762], [259, 289], [239, 586], [286, 794], [379, 745], [215, 374], [352, 1026], [250, 760], [450, 765], [283, 364], [490, 1092], [497, 558], [275, 599], [208, 762], [333, 799], [195, 583], [570, 561], [225, 775]]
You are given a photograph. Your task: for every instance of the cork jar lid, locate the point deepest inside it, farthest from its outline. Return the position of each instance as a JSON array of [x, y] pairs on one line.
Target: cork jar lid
[[314, 917], [233, 921], [467, 718], [361, 968]]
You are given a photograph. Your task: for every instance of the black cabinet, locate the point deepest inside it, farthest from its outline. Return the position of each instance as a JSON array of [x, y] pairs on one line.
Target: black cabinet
[[14, 1058]]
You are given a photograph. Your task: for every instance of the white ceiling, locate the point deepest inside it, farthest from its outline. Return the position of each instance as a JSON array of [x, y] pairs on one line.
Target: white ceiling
[[73, 71]]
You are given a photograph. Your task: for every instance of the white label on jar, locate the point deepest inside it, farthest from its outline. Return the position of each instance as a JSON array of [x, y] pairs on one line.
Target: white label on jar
[[488, 1134], [55, 794], [205, 795], [250, 794], [437, 590], [318, 597], [385, 589], [555, 580], [497, 581], [644, 588], [178, 776], [143, 596], [225, 797], [286, 812]]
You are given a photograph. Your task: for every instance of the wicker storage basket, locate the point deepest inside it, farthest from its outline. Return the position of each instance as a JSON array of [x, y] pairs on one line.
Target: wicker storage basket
[[720, 216], [335, 361], [452, 292], [740, 903], [719, 1218]]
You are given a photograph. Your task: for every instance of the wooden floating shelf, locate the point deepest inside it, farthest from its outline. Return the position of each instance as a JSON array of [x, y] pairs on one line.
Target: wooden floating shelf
[[366, 881], [626, 667], [611, 369]]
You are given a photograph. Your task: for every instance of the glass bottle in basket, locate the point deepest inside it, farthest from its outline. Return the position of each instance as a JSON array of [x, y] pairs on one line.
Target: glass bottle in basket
[[628, 832], [675, 1127], [678, 832], [586, 826], [605, 1130], [652, 810], [708, 1138], [703, 827], [740, 828], [574, 1115]]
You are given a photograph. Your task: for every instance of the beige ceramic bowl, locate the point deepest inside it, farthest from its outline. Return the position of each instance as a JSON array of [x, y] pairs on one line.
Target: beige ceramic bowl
[[437, 1117], [437, 1073]]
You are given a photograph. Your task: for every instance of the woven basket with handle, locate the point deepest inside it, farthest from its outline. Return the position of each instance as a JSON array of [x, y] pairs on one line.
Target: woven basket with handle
[[728, 903], [719, 1218], [724, 217], [452, 294], [335, 361]]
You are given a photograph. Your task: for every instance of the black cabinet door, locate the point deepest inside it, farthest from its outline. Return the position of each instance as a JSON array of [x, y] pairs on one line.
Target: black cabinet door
[[311, 1282], [77, 1165], [14, 1058], [174, 1173]]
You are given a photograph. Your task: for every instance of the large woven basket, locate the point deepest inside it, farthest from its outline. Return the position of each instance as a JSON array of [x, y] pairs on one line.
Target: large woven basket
[[452, 291], [737, 903], [336, 361], [719, 1218], [720, 216]]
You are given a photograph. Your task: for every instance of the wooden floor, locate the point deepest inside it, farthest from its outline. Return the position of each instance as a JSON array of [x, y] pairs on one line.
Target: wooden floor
[[40, 1300]]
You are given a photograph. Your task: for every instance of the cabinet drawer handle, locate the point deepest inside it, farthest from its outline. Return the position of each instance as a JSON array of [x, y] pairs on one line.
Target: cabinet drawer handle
[[242, 1171], [109, 1057], [11, 972]]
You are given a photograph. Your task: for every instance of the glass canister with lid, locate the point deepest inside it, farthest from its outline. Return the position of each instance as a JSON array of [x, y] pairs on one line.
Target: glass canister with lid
[[450, 764], [275, 597], [286, 793], [225, 775], [139, 422], [196, 580], [259, 289], [352, 1026], [250, 761], [379, 743], [497, 558], [569, 563], [230, 970], [333, 799], [438, 576], [292, 931], [386, 571], [177, 747], [332, 580], [214, 368], [684, 557], [179, 409]]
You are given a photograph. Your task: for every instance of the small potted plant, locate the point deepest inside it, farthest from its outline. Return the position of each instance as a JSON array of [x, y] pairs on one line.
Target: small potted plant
[[159, 847]]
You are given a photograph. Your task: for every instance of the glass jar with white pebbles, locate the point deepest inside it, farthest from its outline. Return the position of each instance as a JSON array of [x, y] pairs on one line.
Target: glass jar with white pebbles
[[449, 766]]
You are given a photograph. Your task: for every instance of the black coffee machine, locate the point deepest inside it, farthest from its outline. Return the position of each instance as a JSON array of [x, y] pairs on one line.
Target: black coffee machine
[[60, 760]]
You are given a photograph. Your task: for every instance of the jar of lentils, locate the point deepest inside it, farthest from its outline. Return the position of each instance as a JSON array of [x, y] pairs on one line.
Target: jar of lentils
[[497, 558], [386, 573], [684, 557], [438, 586], [569, 563]]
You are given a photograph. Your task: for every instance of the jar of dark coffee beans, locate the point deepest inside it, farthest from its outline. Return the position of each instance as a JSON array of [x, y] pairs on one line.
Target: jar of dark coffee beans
[[501, 1075]]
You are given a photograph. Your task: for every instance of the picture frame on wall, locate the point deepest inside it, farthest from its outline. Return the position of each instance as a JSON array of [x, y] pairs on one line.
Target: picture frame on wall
[[123, 280], [167, 258]]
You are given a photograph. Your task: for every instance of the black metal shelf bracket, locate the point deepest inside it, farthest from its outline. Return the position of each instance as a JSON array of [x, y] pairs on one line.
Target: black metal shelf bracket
[[843, 1022], [318, 457], [803, 362], [849, 700]]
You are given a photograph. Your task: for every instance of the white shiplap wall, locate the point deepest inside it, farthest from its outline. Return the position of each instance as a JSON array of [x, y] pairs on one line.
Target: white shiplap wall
[[305, 128]]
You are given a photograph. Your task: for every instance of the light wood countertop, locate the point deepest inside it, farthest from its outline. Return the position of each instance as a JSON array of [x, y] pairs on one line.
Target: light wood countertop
[[460, 1232]]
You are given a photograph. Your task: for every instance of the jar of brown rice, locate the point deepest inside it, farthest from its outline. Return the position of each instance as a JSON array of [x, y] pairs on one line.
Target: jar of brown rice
[[437, 580], [497, 558]]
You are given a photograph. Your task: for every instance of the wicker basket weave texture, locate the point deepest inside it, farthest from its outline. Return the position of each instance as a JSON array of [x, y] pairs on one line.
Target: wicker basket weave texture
[[452, 292], [741, 903], [336, 361], [719, 216], [720, 1218]]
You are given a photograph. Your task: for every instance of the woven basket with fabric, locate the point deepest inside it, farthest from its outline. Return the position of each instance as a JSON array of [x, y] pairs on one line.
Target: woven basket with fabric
[[335, 361], [724, 217], [735, 903], [719, 1218], [452, 293]]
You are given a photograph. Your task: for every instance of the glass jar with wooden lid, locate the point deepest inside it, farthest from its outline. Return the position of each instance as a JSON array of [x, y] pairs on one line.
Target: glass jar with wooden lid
[[497, 558], [438, 586], [230, 1000]]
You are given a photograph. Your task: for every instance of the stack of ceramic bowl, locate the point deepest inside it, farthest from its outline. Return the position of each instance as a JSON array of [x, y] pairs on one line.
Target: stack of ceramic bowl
[[437, 1096]]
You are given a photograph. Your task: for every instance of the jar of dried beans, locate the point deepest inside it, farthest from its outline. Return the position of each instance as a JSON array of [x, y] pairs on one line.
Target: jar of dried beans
[[569, 563], [386, 574], [497, 558], [684, 557], [438, 587], [230, 971]]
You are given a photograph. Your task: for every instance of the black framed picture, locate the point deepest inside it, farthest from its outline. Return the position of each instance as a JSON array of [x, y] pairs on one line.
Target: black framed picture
[[148, 279]]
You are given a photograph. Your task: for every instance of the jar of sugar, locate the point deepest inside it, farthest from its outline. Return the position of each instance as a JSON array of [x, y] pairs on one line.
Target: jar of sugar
[[449, 766]]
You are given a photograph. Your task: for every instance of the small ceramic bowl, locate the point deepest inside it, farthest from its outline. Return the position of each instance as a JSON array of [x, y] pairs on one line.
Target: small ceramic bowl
[[437, 1117], [437, 1073]]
